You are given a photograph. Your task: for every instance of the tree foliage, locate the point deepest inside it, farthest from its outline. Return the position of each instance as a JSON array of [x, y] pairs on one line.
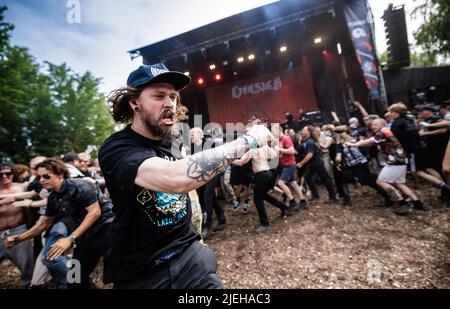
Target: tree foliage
[[434, 34], [46, 109]]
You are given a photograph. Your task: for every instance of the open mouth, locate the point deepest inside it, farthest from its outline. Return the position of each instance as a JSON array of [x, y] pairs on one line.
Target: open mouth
[[168, 117]]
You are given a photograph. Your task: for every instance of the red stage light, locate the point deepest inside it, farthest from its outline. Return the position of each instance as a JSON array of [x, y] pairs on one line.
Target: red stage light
[[200, 81], [325, 52], [218, 77]]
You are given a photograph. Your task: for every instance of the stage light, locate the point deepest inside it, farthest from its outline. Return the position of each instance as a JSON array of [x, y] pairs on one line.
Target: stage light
[[186, 73], [318, 40], [283, 49], [325, 52], [339, 48], [225, 63], [218, 77], [267, 52], [235, 73], [240, 59], [200, 81], [212, 66], [251, 57]]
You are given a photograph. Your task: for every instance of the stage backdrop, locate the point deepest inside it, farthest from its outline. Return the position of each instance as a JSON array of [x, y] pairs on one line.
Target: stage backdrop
[[267, 96]]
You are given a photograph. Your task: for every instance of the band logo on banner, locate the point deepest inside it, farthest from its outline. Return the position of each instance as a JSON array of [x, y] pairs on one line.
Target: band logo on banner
[[359, 21]]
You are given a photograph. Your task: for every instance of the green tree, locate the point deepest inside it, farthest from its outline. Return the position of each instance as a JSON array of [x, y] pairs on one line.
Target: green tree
[[383, 58], [82, 114], [50, 112], [18, 81], [423, 59], [434, 34]]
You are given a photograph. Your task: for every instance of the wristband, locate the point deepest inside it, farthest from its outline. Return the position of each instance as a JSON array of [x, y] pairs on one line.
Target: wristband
[[73, 238]]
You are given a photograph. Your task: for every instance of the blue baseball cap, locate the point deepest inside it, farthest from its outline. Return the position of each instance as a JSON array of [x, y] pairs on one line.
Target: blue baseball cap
[[157, 73]]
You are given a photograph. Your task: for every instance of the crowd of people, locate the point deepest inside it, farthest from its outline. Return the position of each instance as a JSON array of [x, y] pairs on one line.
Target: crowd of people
[[147, 213]]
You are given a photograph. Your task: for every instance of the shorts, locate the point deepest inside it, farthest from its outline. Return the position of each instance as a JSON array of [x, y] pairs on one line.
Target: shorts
[[418, 161], [240, 176], [288, 173], [393, 174]]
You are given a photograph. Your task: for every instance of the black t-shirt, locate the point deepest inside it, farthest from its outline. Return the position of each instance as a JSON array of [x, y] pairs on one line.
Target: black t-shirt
[[407, 134], [351, 156], [437, 143], [358, 133], [301, 152], [68, 205], [147, 223], [35, 186], [311, 147]]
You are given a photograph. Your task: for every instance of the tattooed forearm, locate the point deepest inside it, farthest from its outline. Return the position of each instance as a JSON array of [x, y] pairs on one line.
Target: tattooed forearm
[[205, 165]]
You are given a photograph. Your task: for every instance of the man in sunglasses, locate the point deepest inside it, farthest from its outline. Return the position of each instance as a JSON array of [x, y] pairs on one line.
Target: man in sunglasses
[[12, 222], [74, 219]]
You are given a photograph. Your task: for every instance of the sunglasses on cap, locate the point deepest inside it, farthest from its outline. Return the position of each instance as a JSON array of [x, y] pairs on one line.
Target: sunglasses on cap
[[45, 176], [7, 174]]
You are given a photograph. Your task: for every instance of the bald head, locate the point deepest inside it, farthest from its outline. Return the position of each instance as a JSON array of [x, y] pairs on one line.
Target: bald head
[[378, 124], [36, 160]]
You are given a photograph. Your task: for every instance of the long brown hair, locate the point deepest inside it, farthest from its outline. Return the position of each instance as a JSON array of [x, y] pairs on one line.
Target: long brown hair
[[121, 111], [55, 166]]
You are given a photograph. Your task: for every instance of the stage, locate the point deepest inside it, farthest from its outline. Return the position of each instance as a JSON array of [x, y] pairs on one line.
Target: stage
[[283, 57]]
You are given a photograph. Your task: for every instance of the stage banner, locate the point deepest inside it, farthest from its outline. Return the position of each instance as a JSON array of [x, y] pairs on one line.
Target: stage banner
[[359, 20], [266, 96]]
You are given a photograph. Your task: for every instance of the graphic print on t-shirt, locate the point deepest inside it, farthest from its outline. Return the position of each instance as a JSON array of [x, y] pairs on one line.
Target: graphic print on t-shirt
[[163, 209]]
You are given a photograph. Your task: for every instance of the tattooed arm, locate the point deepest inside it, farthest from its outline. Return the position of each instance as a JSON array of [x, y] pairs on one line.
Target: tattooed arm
[[191, 172]]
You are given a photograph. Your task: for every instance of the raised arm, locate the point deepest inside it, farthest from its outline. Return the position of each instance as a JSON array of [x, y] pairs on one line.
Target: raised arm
[[361, 108], [20, 195], [440, 124], [362, 143], [192, 172], [434, 132], [40, 226]]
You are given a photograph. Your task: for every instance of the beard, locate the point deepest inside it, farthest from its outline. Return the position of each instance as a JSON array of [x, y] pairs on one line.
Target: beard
[[153, 126]]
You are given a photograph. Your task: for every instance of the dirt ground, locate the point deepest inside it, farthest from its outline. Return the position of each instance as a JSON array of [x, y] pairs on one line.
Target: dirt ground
[[328, 246]]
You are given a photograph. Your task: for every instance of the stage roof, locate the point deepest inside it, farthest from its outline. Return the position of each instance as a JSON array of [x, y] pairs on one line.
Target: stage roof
[[261, 31]]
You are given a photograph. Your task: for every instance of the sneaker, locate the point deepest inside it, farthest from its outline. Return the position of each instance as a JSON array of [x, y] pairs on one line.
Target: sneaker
[[404, 208], [289, 211], [420, 206], [445, 196], [219, 226], [294, 205], [262, 229], [347, 203], [245, 208], [388, 202], [206, 232], [235, 205], [303, 204]]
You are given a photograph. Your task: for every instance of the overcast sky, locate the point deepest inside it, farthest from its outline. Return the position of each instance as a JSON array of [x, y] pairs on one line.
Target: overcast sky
[[109, 28]]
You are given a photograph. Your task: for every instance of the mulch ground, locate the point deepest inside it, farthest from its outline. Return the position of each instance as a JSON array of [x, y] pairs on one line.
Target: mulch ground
[[328, 246]]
